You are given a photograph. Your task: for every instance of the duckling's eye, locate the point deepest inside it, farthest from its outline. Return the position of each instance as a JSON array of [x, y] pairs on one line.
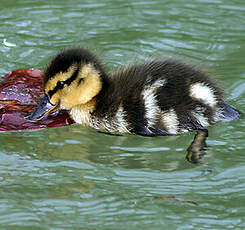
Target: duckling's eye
[[60, 84]]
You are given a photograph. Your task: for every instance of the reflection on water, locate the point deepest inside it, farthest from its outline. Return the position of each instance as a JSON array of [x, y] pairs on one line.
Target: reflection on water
[[76, 178]]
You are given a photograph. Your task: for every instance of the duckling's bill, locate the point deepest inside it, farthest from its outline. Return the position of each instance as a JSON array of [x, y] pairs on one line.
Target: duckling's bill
[[45, 107]]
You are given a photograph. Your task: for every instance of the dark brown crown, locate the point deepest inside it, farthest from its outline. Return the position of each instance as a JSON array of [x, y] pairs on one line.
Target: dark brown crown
[[73, 56]]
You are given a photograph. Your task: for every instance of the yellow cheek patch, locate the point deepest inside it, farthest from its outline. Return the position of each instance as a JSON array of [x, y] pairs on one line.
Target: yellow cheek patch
[[92, 83], [77, 94]]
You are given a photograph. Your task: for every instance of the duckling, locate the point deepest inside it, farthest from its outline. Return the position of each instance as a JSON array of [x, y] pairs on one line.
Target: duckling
[[154, 98]]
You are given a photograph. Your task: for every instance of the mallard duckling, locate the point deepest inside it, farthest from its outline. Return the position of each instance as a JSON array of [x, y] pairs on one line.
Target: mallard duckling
[[153, 98]]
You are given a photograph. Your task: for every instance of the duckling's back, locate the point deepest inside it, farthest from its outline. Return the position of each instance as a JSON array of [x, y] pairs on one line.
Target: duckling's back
[[160, 98]]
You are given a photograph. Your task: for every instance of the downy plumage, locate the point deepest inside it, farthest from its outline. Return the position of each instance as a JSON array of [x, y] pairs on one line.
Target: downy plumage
[[158, 97]]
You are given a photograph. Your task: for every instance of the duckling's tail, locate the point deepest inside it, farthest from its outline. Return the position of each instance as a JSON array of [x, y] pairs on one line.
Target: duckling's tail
[[228, 113]]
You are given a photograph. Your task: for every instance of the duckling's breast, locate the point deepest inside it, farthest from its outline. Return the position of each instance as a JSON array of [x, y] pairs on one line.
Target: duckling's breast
[[111, 122]]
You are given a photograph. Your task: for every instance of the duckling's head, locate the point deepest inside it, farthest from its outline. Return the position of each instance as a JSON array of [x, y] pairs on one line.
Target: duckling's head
[[73, 77]]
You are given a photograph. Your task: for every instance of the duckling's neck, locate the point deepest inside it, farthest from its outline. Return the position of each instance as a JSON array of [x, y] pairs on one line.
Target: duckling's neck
[[82, 113]]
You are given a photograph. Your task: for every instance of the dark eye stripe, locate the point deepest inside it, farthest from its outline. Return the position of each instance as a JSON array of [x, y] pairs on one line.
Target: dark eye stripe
[[60, 85], [53, 91], [72, 78], [80, 81]]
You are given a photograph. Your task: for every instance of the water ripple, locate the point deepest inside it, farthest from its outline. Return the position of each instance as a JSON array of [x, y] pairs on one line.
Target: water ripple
[[75, 178]]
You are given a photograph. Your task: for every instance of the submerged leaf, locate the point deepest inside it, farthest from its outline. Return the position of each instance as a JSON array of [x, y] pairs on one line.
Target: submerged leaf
[[20, 92], [175, 198]]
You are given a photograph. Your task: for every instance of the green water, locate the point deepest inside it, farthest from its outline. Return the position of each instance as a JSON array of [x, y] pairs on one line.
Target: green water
[[76, 178]]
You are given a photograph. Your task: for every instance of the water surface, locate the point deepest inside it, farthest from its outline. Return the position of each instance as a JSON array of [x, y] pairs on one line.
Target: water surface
[[76, 178]]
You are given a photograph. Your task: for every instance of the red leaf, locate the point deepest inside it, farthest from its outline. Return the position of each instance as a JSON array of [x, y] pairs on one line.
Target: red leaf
[[20, 92]]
